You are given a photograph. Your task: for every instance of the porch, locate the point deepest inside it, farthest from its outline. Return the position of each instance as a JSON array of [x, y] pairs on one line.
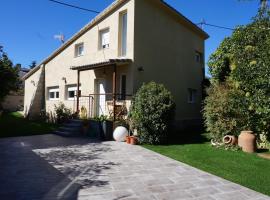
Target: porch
[[110, 97]]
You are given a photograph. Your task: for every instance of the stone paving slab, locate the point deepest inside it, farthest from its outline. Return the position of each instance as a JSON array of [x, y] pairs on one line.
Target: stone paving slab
[[80, 168]]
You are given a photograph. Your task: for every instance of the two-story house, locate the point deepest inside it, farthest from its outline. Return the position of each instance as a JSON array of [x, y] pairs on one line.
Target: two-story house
[[129, 43]]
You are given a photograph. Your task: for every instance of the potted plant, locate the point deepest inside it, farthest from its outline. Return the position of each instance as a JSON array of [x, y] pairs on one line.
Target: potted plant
[[133, 140], [107, 127], [85, 122]]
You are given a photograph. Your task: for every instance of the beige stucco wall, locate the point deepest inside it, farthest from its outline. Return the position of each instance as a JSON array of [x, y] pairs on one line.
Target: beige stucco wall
[[59, 66], [30, 90], [166, 50]]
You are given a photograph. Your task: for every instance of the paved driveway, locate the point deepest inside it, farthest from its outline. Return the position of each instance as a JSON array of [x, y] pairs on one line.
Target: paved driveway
[[52, 167]]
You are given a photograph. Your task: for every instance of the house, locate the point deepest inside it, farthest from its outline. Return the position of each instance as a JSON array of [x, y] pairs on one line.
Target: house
[[129, 43], [14, 101]]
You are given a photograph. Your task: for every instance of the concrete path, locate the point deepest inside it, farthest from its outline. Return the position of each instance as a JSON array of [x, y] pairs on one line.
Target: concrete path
[[52, 167]]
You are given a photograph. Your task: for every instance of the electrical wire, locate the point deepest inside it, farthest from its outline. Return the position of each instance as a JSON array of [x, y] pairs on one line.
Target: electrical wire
[[73, 6]]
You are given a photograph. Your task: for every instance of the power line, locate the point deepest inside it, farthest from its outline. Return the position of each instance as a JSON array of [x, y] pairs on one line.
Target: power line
[[216, 26], [73, 6]]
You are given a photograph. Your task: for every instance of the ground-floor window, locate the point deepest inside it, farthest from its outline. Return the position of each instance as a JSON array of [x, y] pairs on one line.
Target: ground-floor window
[[72, 92], [54, 93]]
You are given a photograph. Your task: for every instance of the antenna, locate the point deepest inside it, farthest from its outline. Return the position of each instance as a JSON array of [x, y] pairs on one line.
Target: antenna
[[60, 37]]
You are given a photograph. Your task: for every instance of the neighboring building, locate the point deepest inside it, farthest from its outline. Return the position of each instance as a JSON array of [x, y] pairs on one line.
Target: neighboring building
[[15, 100], [129, 43]]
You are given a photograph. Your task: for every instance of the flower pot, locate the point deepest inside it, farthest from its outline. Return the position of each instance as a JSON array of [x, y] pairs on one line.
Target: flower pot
[[247, 141], [230, 140], [128, 139], [133, 140]]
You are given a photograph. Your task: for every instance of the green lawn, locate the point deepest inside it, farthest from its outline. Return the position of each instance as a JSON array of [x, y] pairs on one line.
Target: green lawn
[[13, 124], [245, 169]]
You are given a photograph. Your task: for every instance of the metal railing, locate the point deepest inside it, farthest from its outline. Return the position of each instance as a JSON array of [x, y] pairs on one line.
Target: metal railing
[[103, 104]]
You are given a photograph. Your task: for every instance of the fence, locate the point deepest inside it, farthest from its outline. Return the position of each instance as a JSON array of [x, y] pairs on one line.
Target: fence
[[102, 104]]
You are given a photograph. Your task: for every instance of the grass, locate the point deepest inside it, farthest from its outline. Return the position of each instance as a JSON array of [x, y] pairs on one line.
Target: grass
[[245, 169], [13, 125]]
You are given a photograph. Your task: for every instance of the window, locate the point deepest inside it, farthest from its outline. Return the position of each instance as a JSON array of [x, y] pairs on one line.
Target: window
[[104, 36], [123, 86], [192, 95], [79, 50], [123, 34], [54, 94], [72, 92], [198, 57]]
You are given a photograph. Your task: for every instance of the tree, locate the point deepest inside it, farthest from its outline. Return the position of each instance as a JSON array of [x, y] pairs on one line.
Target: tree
[[33, 64], [243, 60], [9, 78]]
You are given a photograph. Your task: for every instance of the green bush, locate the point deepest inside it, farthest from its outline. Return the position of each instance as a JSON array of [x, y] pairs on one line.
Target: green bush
[[62, 113], [223, 111], [152, 111], [242, 60]]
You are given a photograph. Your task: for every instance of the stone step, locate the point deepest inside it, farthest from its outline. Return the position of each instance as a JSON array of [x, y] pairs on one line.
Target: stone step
[[65, 133], [71, 129], [72, 125]]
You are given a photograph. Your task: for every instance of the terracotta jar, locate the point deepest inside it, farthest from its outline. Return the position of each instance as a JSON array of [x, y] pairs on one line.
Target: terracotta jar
[[247, 141], [133, 140], [230, 139], [128, 139]]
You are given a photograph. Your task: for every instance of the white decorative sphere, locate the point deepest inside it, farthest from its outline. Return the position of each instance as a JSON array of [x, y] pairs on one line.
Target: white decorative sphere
[[120, 134]]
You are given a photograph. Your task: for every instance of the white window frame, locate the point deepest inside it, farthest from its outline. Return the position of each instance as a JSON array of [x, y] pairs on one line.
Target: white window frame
[[123, 33], [79, 53], [71, 89], [193, 94], [54, 91], [104, 43]]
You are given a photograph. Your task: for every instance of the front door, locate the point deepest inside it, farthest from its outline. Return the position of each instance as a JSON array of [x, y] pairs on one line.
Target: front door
[[101, 97]]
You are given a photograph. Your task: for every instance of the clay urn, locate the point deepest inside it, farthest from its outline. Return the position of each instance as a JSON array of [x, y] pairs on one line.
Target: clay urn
[[247, 141], [230, 140]]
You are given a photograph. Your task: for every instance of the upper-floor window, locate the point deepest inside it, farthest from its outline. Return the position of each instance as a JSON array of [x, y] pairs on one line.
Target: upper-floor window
[[198, 57], [79, 50], [71, 92], [123, 33], [192, 93], [53, 93], [104, 39]]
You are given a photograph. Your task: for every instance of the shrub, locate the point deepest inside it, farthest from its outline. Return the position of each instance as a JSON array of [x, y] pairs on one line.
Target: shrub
[[224, 112], [152, 111], [62, 113], [244, 60]]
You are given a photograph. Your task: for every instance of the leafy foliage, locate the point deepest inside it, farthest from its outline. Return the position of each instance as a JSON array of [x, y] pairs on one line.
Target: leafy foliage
[[9, 78], [152, 111], [244, 60], [62, 113], [222, 112]]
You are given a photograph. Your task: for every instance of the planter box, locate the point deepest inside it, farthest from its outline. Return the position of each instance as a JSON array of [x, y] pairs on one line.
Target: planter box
[[107, 128], [95, 129]]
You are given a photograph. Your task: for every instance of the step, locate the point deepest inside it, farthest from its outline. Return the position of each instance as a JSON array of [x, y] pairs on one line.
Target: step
[[64, 133], [70, 129], [72, 125], [75, 121]]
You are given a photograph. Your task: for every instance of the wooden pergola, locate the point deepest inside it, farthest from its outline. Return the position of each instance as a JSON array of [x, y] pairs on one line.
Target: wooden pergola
[[110, 63]]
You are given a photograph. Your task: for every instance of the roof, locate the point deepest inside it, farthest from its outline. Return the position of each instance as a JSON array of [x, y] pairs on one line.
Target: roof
[[101, 16], [102, 64]]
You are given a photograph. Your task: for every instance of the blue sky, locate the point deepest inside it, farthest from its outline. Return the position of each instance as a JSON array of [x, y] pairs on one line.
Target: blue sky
[[28, 26]]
